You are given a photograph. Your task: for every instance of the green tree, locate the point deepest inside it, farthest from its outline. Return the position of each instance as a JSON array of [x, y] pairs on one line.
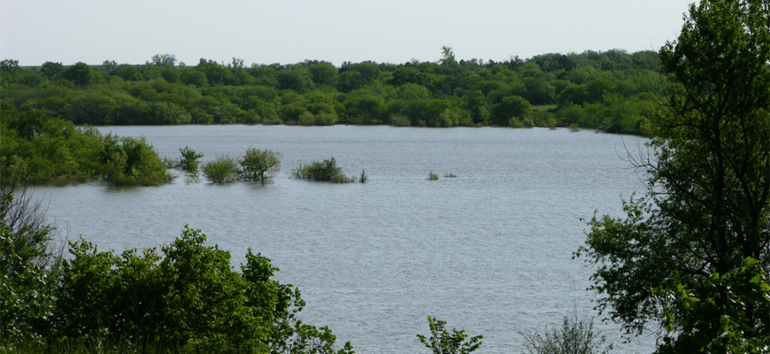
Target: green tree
[[185, 298], [50, 69], [26, 299], [259, 165], [80, 74], [324, 74], [167, 60], [131, 161], [510, 107], [443, 342], [9, 66], [189, 160], [693, 254]]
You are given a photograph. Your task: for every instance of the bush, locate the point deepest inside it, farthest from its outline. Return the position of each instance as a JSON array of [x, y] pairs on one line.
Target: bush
[[399, 120], [259, 165], [432, 176], [224, 169], [325, 171], [576, 336], [189, 299], [130, 161], [189, 160]]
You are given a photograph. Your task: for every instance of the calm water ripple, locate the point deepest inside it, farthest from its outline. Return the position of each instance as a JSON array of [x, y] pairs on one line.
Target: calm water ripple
[[489, 251]]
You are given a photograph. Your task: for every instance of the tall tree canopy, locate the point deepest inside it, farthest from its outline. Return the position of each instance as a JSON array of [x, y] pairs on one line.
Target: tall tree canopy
[[694, 254]]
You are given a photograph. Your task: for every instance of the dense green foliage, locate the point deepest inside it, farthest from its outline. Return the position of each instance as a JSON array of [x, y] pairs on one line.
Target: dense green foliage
[[185, 299], [612, 90], [26, 297], [189, 160], [323, 171], [223, 169], [131, 161], [37, 148], [443, 342], [693, 254], [259, 165]]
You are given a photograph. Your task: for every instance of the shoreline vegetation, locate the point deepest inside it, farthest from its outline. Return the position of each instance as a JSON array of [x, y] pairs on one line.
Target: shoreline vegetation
[[613, 91]]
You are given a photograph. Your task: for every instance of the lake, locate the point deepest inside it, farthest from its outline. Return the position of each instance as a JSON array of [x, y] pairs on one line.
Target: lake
[[489, 251]]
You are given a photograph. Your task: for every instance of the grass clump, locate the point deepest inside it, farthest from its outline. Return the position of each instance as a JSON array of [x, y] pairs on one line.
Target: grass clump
[[322, 171], [223, 169], [450, 175], [432, 176]]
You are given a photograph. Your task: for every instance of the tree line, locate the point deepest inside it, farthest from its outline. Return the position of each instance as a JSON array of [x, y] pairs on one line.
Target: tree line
[[613, 90]]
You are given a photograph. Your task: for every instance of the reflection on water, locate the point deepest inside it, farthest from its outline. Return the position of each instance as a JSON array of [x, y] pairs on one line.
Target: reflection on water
[[489, 251]]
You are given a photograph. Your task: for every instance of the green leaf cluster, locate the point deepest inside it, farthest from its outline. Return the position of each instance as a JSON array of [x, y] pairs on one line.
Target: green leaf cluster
[[441, 341]]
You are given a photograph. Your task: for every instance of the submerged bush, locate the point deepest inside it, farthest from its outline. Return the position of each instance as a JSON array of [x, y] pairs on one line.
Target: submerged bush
[[259, 165], [131, 161], [223, 169], [322, 171], [189, 160]]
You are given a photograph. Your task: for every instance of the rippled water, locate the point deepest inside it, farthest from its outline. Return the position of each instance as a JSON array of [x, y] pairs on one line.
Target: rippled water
[[489, 251]]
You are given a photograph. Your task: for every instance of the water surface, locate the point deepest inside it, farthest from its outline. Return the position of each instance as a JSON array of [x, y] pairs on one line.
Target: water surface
[[489, 251]]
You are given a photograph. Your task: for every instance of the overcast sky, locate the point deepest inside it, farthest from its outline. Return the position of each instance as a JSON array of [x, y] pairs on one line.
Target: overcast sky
[[290, 31]]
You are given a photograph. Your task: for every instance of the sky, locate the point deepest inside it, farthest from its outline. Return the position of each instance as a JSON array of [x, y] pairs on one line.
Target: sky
[[291, 31]]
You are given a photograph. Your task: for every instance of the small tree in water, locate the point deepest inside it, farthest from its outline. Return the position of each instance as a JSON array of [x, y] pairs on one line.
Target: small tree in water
[[259, 165], [189, 161]]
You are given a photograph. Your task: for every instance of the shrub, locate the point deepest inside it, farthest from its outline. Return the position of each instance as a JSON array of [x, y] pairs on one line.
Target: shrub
[[450, 175], [576, 336], [259, 165], [130, 161], [322, 171], [432, 176], [189, 161], [186, 298], [223, 169], [399, 120]]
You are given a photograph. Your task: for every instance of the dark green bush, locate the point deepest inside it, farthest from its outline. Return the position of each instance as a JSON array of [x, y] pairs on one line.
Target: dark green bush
[[223, 169], [130, 161], [322, 171], [188, 299]]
